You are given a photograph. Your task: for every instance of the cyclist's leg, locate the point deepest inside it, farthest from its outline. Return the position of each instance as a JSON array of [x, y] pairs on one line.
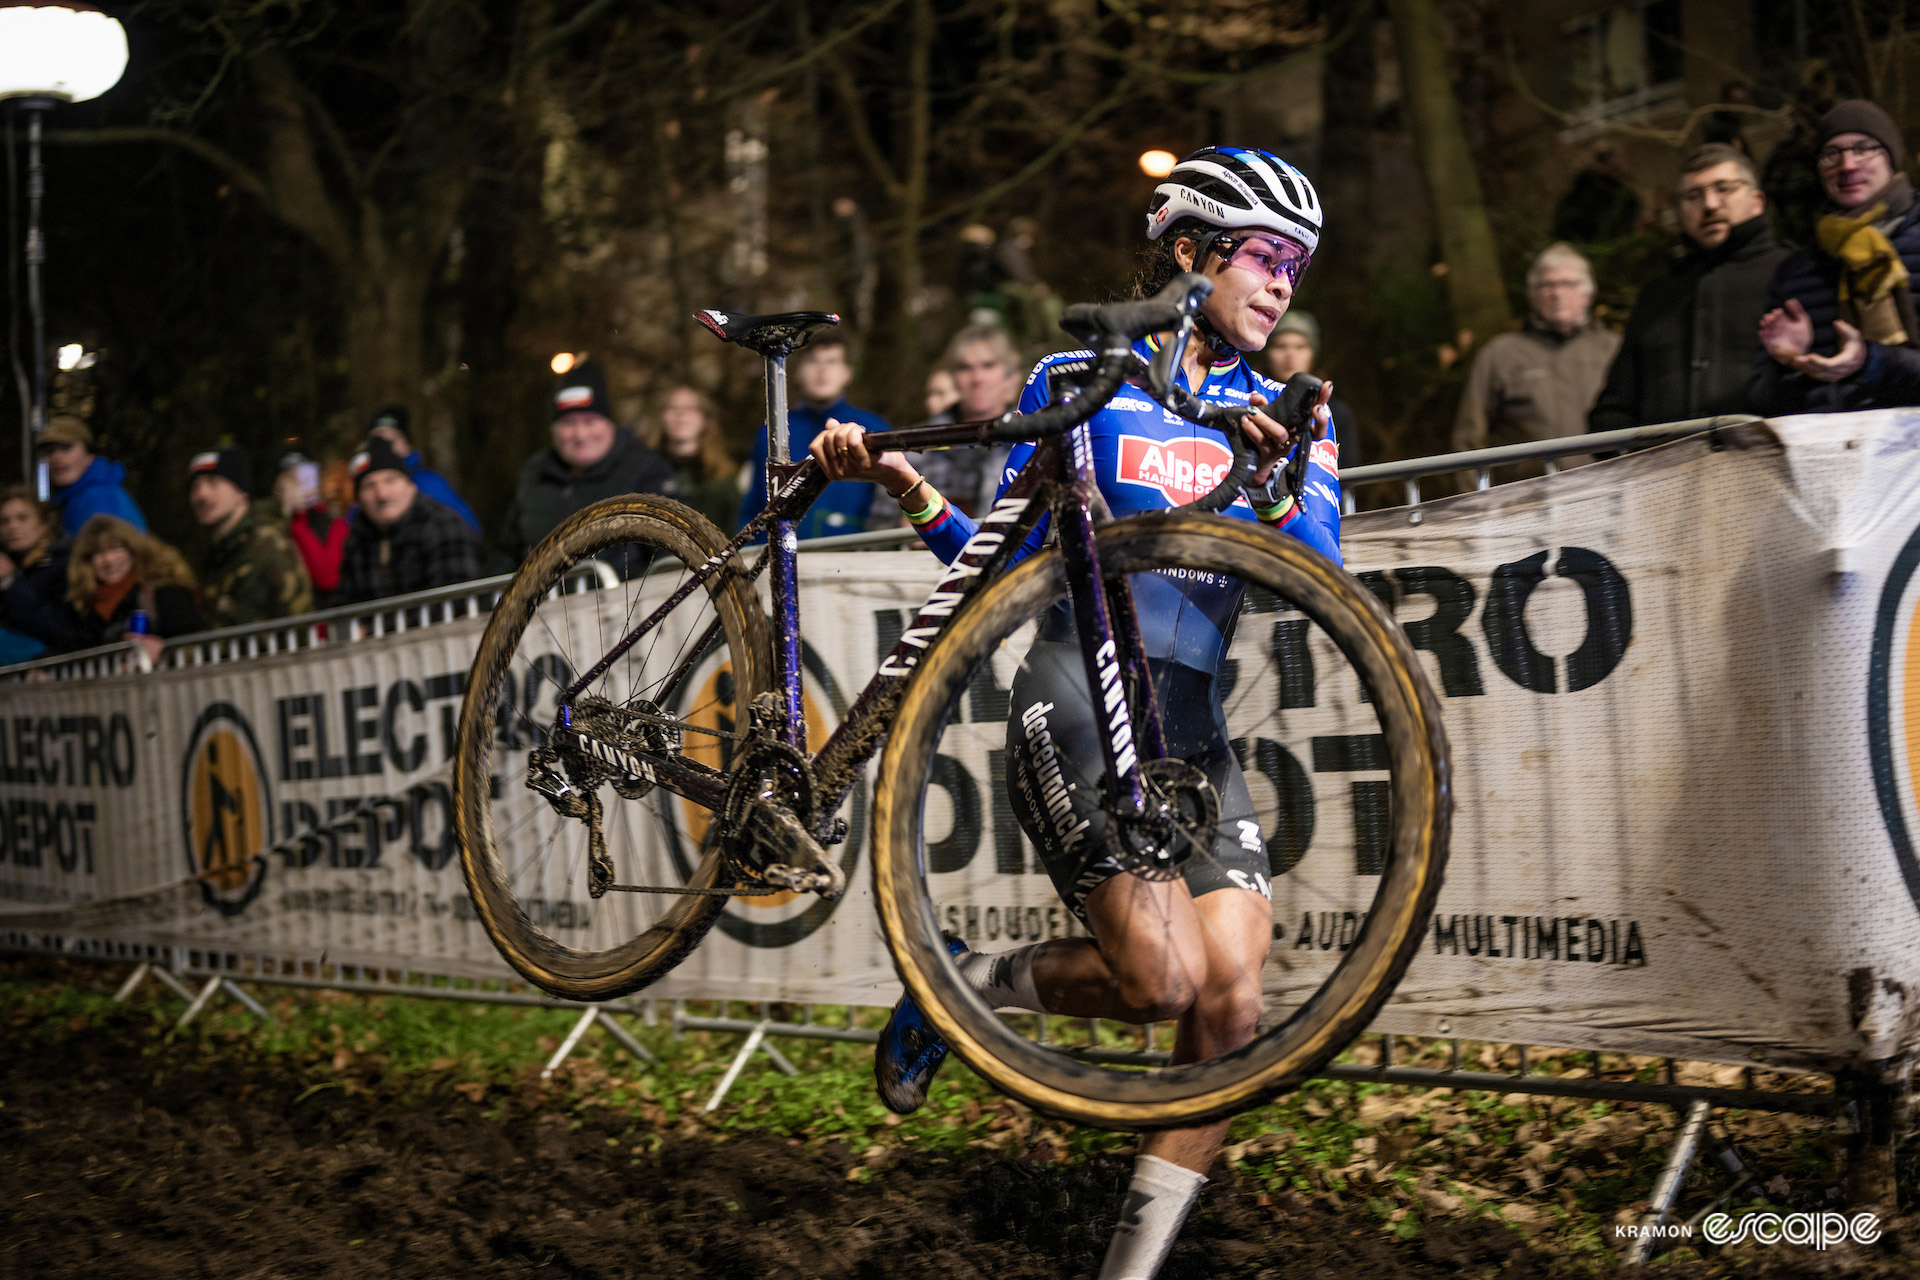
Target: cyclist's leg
[[1191, 949], [1151, 951]]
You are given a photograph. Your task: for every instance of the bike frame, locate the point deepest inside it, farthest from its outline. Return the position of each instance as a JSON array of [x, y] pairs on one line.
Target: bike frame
[[1057, 481]]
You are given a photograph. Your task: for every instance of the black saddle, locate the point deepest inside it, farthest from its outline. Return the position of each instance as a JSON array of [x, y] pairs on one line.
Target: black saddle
[[774, 337]]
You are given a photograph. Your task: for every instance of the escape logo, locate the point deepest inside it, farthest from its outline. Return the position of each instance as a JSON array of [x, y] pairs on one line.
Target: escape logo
[[1893, 708], [226, 809]]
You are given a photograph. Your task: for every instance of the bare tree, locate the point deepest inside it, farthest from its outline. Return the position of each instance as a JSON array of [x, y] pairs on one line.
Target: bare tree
[[367, 155], [1467, 246]]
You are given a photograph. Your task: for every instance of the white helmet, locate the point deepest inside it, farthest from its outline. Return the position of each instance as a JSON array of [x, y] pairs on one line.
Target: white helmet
[[1235, 187]]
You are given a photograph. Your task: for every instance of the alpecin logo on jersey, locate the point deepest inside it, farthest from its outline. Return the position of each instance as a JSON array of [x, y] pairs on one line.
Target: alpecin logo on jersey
[[1181, 470]]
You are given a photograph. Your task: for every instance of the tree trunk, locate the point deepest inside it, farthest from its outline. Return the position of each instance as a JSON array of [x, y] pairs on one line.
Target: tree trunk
[[911, 202], [1467, 246], [386, 364], [1341, 293]]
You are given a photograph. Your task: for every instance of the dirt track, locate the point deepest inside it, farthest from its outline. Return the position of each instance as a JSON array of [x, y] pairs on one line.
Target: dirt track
[[180, 1162]]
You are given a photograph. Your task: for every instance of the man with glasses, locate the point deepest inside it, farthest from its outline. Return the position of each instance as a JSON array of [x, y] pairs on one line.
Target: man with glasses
[[1539, 382], [1839, 331], [1688, 348]]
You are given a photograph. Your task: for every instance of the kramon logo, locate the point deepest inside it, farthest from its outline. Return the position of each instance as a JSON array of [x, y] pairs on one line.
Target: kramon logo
[[1893, 708], [226, 809]]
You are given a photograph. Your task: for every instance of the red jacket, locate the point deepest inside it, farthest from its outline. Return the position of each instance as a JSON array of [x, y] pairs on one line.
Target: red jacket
[[320, 551]]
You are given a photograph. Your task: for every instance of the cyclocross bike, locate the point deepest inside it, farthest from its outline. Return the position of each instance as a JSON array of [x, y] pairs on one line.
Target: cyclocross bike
[[651, 748]]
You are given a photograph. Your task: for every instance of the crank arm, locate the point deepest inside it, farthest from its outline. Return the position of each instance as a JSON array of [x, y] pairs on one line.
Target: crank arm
[[802, 865]]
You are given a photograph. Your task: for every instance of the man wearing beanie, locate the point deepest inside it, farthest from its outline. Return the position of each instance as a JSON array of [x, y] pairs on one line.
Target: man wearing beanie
[[252, 572], [392, 424], [1839, 332], [400, 540], [592, 458]]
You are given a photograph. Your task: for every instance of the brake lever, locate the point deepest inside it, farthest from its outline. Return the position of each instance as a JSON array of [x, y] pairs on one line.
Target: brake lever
[[1167, 359]]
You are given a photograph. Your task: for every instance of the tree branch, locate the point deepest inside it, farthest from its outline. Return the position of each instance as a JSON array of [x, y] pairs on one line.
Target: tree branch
[[820, 51], [236, 170], [856, 114], [300, 193], [1066, 138]]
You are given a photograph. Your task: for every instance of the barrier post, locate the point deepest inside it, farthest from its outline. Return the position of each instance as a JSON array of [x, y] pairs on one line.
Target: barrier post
[[595, 1014], [1667, 1189]]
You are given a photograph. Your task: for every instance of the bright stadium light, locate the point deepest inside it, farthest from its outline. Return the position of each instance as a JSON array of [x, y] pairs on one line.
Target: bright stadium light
[[70, 51], [1157, 164], [68, 357], [51, 51], [563, 362]]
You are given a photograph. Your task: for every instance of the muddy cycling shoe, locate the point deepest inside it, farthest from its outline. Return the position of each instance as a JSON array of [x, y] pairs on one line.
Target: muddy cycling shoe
[[909, 1052]]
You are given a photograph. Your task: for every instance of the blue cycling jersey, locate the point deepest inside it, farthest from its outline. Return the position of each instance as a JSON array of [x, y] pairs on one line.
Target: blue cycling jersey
[[1148, 458]]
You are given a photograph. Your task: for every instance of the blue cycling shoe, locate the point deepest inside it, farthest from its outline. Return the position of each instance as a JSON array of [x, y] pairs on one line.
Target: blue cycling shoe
[[909, 1053]]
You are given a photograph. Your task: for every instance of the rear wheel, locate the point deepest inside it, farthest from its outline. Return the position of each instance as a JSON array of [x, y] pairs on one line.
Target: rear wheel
[[1377, 886], [683, 687]]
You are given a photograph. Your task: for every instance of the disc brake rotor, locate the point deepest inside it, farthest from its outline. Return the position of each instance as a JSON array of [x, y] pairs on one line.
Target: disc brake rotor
[[1180, 818]]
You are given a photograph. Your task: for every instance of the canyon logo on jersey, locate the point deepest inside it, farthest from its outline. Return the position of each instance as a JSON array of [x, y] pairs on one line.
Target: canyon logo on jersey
[[1181, 470]]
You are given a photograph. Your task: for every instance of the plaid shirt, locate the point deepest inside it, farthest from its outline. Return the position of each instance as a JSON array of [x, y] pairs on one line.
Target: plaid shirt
[[428, 547]]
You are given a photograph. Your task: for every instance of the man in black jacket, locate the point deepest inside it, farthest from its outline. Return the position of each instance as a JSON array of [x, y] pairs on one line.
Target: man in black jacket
[[1839, 333], [1688, 348], [592, 458], [400, 540]]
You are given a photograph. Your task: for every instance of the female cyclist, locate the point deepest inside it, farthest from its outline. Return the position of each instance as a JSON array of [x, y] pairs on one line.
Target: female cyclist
[[1190, 949]]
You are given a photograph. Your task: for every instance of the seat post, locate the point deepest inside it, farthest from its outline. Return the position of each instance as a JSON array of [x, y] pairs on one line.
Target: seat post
[[777, 443], [784, 547]]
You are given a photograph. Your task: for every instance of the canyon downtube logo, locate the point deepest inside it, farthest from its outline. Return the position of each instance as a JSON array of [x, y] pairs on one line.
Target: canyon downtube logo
[[226, 809], [1893, 709]]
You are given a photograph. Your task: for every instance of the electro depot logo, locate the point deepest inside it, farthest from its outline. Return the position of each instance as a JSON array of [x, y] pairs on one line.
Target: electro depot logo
[[226, 810]]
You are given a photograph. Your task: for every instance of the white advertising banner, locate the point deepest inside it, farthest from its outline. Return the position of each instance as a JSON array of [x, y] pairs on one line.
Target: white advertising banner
[[1682, 690]]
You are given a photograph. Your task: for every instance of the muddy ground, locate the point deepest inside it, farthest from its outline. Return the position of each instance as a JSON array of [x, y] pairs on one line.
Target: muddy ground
[[163, 1160]]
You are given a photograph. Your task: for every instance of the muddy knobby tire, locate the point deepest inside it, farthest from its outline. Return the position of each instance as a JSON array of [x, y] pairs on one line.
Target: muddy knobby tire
[[1284, 1055]]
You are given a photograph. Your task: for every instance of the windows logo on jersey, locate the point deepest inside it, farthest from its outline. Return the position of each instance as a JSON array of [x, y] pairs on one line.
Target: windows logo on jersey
[[1181, 470]]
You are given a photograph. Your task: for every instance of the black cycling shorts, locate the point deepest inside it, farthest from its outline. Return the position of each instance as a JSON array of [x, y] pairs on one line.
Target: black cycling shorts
[[1055, 767]]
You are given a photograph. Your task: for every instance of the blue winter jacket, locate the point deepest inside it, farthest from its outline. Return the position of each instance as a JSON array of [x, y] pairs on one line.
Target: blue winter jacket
[[1147, 458], [435, 486], [844, 506], [98, 492]]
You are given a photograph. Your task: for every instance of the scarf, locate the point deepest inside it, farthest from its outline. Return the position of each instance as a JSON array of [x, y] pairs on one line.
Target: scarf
[[108, 595], [1874, 293]]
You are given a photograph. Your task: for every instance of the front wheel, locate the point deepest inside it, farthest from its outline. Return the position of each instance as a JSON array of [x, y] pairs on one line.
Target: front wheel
[[1361, 891]]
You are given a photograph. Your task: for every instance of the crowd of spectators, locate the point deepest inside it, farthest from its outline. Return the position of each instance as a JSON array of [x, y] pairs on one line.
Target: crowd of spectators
[[1741, 323]]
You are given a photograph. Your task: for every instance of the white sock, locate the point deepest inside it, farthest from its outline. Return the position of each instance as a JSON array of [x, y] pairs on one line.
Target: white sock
[[1004, 979], [1157, 1202]]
